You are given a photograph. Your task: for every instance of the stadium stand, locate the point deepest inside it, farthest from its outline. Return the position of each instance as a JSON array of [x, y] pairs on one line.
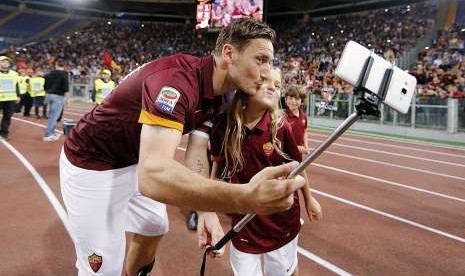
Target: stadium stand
[[307, 53], [28, 24]]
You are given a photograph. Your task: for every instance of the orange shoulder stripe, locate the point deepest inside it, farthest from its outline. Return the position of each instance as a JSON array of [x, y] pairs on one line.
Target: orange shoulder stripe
[[151, 119]]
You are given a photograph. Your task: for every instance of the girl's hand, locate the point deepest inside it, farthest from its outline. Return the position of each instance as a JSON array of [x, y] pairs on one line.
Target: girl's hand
[[313, 209], [303, 150], [209, 232]]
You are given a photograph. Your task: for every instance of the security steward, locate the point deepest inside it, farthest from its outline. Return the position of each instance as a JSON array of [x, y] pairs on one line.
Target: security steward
[[37, 83], [26, 99], [9, 92], [103, 86]]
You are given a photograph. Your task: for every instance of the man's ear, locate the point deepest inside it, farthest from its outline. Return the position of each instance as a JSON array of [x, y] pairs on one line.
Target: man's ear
[[228, 52]]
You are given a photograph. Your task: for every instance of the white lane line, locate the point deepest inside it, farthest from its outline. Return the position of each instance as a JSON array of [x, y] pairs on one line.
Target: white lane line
[[395, 154], [74, 113], [395, 146], [61, 212], [390, 183], [80, 112], [402, 140], [80, 108], [391, 216], [44, 186], [394, 165], [33, 123], [322, 262]]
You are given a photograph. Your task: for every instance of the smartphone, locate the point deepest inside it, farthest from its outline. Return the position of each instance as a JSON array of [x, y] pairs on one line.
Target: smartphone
[[400, 90], [362, 68], [353, 60]]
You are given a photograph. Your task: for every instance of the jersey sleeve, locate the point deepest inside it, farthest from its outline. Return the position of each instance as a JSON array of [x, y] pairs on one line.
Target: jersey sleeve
[[165, 100], [289, 144]]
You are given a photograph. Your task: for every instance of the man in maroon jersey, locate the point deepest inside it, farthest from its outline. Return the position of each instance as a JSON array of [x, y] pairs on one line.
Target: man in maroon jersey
[[119, 158]]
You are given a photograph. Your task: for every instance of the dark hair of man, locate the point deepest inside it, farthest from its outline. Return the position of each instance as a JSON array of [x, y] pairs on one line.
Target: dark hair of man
[[60, 63], [241, 32]]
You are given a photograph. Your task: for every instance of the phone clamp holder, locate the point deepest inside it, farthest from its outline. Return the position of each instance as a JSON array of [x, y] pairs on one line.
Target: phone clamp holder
[[368, 104]]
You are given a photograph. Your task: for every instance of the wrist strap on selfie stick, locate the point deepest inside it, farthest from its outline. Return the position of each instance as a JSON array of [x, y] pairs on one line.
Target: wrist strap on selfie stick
[[366, 106]]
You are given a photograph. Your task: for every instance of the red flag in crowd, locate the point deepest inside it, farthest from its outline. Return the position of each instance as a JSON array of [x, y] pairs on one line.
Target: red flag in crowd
[[107, 60]]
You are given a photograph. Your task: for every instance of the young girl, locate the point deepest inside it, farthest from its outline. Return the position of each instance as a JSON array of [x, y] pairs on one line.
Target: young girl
[[294, 97], [251, 137]]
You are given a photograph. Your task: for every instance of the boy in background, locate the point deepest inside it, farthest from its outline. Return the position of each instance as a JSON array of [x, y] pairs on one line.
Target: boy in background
[[294, 98]]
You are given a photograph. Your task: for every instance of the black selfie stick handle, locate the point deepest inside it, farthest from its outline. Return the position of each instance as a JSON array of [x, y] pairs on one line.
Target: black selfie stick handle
[[231, 233]]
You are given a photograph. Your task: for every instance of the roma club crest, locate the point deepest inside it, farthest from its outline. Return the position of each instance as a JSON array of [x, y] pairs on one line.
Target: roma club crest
[[268, 149], [95, 262]]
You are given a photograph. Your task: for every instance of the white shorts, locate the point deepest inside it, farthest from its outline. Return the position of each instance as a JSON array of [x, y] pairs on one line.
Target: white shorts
[[280, 262], [101, 206]]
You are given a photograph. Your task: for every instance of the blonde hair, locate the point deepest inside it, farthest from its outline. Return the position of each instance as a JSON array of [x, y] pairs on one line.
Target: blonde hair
[[235, 134]]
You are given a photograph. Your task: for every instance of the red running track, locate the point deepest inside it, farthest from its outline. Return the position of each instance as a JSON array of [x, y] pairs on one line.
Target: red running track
[[390, 208]]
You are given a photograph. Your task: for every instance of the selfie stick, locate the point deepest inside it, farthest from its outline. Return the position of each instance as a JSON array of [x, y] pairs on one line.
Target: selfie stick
[[367, 105]]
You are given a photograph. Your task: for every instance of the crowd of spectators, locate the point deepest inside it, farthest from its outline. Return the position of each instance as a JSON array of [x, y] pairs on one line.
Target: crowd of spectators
[[309, 53], [307, 50], [440, 70], [129, 44]]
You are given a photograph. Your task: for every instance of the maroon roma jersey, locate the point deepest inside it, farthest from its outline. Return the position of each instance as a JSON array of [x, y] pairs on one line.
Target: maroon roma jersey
[[174, 92], [298, 124], [265, 232]]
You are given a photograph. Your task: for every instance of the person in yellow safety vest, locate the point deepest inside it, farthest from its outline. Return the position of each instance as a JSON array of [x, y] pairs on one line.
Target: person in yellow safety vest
[[36, 86], [103, 86], [9, 92], [26, 99]]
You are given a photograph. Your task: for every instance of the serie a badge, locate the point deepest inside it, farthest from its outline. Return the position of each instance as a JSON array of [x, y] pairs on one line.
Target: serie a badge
[[167, 99]]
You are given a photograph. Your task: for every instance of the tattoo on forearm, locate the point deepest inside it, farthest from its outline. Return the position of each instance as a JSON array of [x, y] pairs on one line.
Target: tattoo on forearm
[[199, 166]]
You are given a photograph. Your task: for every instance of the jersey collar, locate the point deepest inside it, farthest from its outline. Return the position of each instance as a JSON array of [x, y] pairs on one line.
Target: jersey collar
[[207, 77]]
